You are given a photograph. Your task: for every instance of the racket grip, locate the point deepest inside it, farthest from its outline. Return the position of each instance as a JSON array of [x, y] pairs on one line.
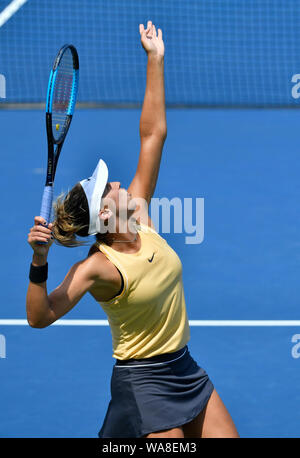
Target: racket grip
[[47, 203]]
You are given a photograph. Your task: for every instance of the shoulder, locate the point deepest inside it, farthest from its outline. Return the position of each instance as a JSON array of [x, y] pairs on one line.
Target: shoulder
[[99, 267], [107, 279]]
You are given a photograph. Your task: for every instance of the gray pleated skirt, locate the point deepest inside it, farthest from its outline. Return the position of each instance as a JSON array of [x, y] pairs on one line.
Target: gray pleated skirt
[[155, 394]]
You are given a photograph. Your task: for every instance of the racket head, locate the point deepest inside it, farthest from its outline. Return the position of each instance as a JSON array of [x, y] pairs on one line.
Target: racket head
[[60, 105], [62, 92]]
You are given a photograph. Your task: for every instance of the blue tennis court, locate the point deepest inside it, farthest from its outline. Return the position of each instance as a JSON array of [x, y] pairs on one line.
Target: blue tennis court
[[241, 283], [55, 381]]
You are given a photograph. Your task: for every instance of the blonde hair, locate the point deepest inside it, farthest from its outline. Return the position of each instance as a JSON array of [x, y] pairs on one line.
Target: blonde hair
[[71, 217]]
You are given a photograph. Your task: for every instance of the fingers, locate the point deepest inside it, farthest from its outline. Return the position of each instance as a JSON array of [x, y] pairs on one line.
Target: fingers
[[143, 30], [39, 220], [150, 31], [40, 232], [151, 39], [153, 31]]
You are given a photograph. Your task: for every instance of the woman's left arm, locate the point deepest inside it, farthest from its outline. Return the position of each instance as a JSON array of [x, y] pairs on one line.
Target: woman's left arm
[[153, 125]]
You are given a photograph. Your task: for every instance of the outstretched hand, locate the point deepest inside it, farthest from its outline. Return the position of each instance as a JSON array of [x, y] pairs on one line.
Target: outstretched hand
[[152, 42]]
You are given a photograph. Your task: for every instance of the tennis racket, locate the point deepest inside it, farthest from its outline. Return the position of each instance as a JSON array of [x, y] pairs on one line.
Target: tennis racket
[[60, 104]]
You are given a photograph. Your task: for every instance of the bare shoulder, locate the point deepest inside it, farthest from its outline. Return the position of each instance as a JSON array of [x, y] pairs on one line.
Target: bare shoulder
[[99, 267], [107, 278]]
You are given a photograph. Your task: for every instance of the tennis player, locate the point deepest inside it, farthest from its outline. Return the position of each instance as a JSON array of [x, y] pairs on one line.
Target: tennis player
[[157, 388]]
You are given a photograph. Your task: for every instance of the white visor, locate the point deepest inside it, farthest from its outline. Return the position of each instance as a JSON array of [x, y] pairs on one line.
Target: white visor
[[94, 189]]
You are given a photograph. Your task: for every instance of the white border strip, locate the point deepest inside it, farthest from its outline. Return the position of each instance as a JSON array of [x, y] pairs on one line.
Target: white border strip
[[12, 322], [244, 322], [10, 10]]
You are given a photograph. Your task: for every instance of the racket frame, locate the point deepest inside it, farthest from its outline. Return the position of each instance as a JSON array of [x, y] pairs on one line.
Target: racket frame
[[55, 146]]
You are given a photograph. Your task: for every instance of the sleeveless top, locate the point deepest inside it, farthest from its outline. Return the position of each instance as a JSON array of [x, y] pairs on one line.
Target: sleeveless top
[[148, 317]]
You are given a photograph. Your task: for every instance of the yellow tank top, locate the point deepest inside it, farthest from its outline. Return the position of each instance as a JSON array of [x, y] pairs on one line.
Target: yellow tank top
[[149, 316]]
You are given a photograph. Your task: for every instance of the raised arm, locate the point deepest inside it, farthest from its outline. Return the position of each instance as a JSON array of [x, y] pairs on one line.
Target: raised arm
[[153, 125]]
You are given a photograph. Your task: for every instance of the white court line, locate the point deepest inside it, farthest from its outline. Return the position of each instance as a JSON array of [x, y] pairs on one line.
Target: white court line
[[10, 10], [13, 322]]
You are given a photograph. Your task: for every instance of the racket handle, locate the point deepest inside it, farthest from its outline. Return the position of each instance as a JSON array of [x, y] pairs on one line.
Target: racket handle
[[47, 203]]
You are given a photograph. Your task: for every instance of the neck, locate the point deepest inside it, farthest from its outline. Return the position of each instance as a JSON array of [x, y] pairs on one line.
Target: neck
[[125, 243], [124, 238], [128, 241], [130, 236]]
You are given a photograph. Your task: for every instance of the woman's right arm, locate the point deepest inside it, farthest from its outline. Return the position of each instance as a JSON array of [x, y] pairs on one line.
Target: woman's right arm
[[37, 301], [43, 309]]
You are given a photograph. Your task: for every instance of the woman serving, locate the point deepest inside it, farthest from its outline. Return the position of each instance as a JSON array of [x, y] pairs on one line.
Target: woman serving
[[157, 388]]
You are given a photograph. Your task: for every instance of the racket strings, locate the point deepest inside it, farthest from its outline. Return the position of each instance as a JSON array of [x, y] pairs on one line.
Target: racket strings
[[62, 95]]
